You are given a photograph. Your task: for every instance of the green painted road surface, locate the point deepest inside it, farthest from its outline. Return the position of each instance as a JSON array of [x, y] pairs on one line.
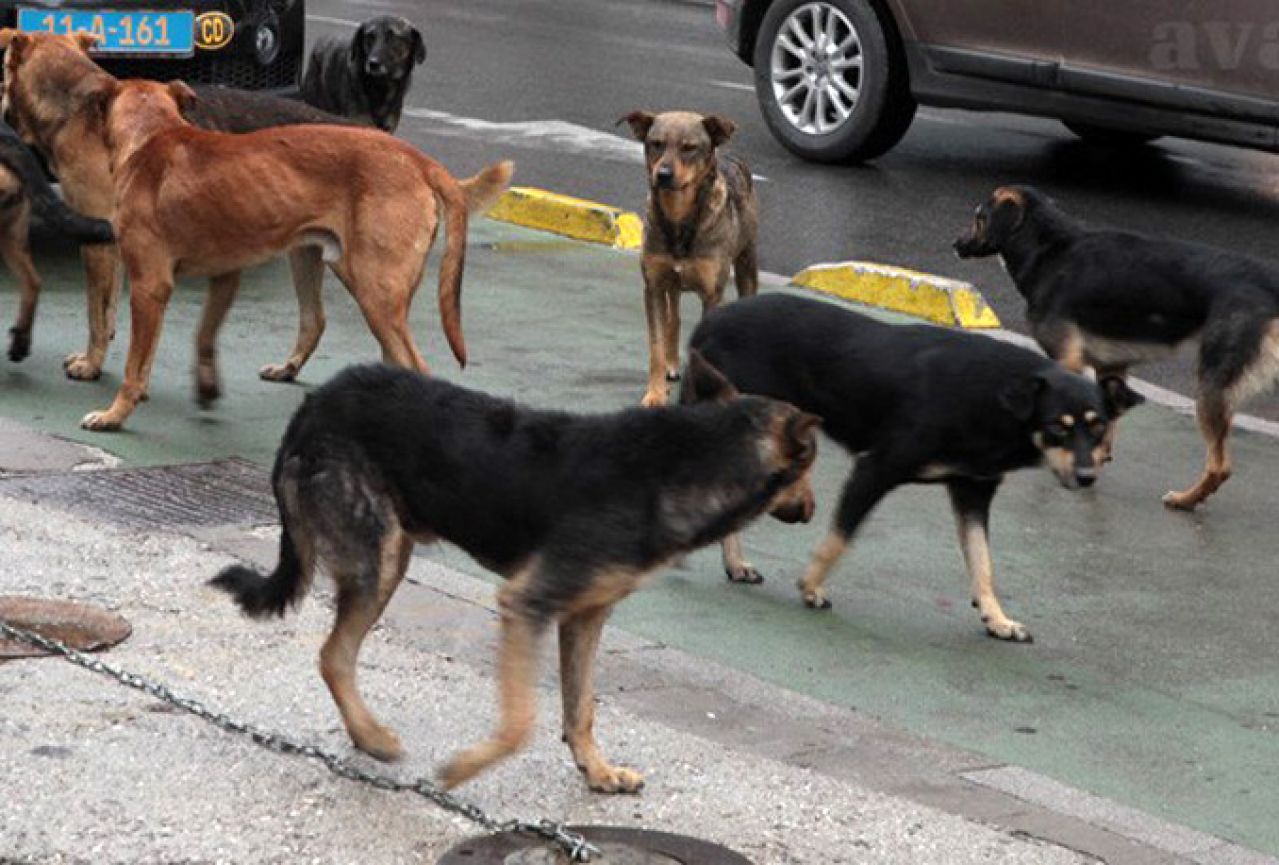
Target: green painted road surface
[[1153, 679]]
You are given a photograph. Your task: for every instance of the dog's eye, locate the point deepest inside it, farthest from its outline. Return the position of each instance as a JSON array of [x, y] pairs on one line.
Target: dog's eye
[[651, 146], [1097, 427], [688, 149], [1055, 432]]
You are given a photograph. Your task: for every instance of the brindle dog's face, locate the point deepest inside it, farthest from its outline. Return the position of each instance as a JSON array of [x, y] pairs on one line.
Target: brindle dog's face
[[387, 47], [994, 222], [1068, 416], [679, 146], [40, 73]]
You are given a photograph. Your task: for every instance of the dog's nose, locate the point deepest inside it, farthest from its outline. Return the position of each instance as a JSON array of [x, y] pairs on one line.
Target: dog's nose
[[374, 67], [665, 174], [1086, 477]]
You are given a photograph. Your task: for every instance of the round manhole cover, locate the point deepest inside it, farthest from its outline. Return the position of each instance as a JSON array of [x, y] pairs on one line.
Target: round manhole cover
[[617, 845], [79, 626]]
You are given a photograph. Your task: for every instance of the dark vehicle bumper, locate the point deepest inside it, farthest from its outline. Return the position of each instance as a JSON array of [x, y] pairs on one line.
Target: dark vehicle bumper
[[728, 14], [238, 64]]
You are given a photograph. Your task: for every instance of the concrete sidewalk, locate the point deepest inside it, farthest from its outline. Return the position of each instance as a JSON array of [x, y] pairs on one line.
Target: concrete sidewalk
[[96, 773], [1151, 689]]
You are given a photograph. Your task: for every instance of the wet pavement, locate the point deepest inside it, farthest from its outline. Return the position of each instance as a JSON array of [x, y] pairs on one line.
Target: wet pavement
[[1151, 689]]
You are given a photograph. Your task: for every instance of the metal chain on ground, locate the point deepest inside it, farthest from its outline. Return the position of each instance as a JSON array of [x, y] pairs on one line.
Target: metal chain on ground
[[573, 844]]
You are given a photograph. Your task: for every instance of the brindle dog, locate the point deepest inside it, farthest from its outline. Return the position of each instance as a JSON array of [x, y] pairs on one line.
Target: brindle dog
[[703, 219], [574, 511]]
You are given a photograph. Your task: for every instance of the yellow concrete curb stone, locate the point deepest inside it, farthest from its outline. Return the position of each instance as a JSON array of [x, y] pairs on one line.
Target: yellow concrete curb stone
[[933, 298], [572, 217]]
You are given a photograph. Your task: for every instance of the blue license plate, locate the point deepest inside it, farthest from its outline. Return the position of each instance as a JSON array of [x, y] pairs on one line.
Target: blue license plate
[[133, 32]]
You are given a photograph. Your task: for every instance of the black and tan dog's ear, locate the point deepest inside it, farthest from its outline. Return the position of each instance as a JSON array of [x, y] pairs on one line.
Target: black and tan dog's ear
[[183, 95], [1008, 208], [703, 382], [419, 47], [1119, 397], [358, 52], [640, 122], [720, 129], [1021, 397], [801, 436]]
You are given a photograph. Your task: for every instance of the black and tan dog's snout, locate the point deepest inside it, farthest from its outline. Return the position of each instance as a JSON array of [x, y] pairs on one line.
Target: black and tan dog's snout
[[664, 176]]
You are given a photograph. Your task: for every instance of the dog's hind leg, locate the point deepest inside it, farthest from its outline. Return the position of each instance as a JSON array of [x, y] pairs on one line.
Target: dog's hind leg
[[222, 292], [365, 587], [517, 655], [579, 642], [970, 500], [869, 483], [15, 248], [307, 265], [1214, 416], [746, 272], [384, 297]]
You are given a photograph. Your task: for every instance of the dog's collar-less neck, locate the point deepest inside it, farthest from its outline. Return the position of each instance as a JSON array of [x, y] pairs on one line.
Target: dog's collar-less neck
[[1034, 241], [750, 506], [679, 236]]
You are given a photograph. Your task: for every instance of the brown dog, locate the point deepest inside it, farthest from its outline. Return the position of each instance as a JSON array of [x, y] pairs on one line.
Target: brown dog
[[702, 220], [368, 202]]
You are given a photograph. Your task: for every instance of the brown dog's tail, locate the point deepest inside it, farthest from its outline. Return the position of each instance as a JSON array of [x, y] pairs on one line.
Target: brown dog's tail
[[484, 189], [456, 216]]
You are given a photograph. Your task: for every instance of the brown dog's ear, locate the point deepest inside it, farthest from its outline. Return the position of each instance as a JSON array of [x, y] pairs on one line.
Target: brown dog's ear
[[85, 40], [720, 129], [14, 40], [703, 382], [801, 435], [183, 95], [640, 122]]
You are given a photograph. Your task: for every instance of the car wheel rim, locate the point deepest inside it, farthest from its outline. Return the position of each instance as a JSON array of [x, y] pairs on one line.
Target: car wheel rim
[[816, 68]]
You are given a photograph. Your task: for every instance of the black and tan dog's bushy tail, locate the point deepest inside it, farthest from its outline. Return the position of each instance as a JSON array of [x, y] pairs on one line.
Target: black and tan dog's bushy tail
[[271, 594], [484, 189]]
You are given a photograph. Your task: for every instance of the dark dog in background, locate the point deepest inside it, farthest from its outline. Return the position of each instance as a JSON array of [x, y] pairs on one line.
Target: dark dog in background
[[917, 404], [574, 511], [367, 76], [1113, 299], [24, 189], [702, 222]]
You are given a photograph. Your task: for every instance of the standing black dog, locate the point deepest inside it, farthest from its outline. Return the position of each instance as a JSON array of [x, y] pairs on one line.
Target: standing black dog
[[574, 511], [1113, 299], [367, 77], [916, 404]]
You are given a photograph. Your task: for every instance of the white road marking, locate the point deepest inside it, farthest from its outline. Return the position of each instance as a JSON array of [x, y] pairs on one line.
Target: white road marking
[[558, 135], [341, 22], [733, 85]]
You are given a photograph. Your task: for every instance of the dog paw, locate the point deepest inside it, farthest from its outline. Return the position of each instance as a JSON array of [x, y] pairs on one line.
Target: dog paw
[[1180, 501], [653, 399], [1013, 632], [744, 573], [19, 344], [100, 421], [614, 779], [278, 372], [816, 599], [380, 743], [80, 368]]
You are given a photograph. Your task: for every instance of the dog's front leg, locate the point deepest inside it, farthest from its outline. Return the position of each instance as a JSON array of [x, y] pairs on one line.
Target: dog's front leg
[[516, 677], [870, 482], [102, 291], [148, 298], [736, 567], [657, 287], [579, 641], [970, 500], [307, 265], [16, 250]]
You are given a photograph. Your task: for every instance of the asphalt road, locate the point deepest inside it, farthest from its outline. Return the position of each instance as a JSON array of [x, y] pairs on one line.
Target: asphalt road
[[547, 79]]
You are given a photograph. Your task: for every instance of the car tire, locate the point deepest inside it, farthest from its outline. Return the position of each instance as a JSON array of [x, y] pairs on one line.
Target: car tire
[[1109, 137], [866, 59]]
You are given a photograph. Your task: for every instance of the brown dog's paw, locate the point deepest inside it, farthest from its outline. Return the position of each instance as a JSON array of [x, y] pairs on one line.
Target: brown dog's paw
[[19, 344], [744, 573], [208, 389], [1180, 501], [379, 742], [814, 599], [614, 779], [101, 421], [653, 399], [1007, 629], [278, 372], [79, 368]]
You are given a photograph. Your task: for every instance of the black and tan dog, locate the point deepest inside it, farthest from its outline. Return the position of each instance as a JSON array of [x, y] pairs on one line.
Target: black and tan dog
[[1114, 299], [915, 404], [367, 76], [24, 190], [702, 221], [574, 511]]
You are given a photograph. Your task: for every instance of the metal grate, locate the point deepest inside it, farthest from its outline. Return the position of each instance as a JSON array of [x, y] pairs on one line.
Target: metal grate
[[232, 70], [224, 492]]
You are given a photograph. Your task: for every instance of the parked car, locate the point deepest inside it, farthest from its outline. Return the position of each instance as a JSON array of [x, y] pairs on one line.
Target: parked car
[[839, 80], [251, 44]]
